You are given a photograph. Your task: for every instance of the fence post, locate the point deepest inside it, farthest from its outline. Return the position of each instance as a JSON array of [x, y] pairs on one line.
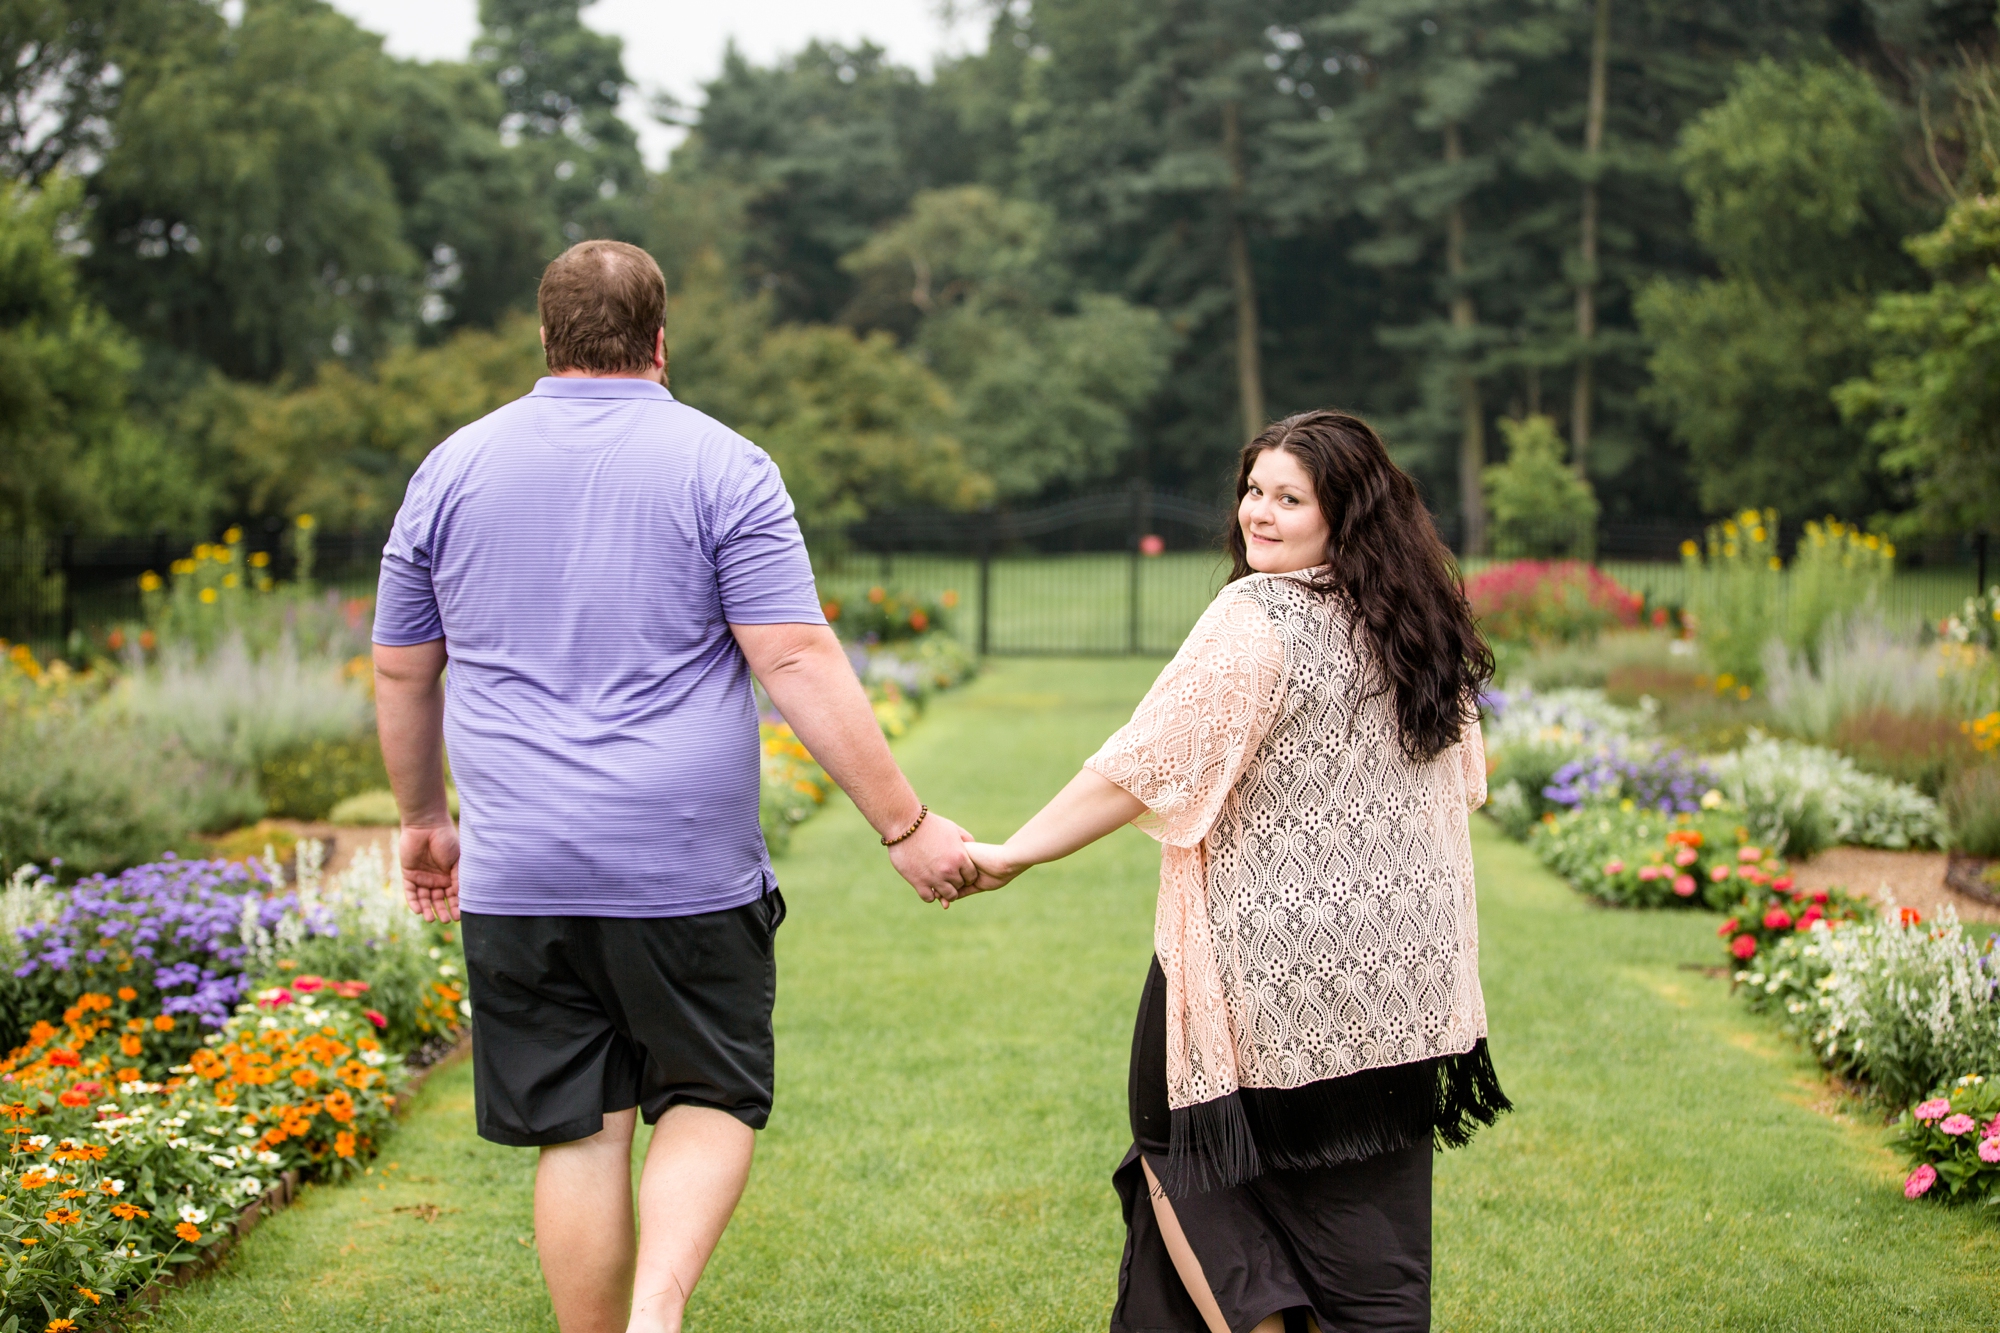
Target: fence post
[[1979, 544], [68, 587], [985, 583], [1132, 591]]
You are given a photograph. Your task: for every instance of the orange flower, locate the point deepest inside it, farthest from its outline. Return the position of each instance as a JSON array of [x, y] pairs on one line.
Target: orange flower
[[90, 1295], [128, 1075], [74, 1098], [343, 1144], [62, 1217], [59, 1325], [305, 1078], [74, 1194], [188, 1232], [340, 1106], [135, 1025], [131, 1045], [125, 1212], [34, 1180], [127, 994], [164, 1023]]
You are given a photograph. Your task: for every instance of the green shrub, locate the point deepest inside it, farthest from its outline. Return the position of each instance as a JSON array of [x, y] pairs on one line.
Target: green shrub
[[1972, 804], [1542, 510], [1801, 798], [306, 781]]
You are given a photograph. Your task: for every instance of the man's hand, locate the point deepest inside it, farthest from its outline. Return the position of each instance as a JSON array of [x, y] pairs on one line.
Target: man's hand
[[429, 858], [933, 859]]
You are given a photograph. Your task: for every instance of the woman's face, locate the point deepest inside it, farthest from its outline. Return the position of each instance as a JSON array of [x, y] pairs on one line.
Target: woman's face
[[1283, 528]]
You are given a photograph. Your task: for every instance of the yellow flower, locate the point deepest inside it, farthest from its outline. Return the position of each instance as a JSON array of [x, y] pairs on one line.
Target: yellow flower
[[230, 580], [182, 567], [259, 559], [233, 536], [1689, 550], [1724, 681], [208, 596], [264, 585], [1777, 563], [304, 520], [149, 582]]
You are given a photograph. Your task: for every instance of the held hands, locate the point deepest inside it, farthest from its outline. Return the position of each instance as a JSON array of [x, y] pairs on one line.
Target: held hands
[[933, 859], [429, 858]]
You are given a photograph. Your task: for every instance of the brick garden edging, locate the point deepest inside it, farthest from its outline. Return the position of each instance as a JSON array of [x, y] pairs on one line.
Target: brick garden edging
[[279, 1197]]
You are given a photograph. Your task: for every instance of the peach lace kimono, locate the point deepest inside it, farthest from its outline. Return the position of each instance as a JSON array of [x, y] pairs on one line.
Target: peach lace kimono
[[1316, 915]]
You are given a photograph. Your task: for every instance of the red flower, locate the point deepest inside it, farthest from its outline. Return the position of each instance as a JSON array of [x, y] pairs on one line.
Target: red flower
[[374, 1017], [1783, 883], [1744, 947], [64, 1059], [307, 984], [1810, 915], [1820, 897], [74, 1098], [1910, 916], [919, 621], [1727, 928], [1777, 919]]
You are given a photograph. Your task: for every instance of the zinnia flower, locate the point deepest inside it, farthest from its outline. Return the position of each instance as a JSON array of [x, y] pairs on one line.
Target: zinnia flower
[[1614, 867], [1749, 854], [1684, 885], [1719, 873], [374, 1017], [1727, 928], [190, 1233], [1920, 1181], [308, 983], [1989, 1149], [1744, 947], [1956, 1124], [1937, 1108], [1777, 919], [1686, 856]]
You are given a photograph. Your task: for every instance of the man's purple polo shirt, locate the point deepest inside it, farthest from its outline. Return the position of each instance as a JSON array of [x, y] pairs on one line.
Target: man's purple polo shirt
[[583, 552]]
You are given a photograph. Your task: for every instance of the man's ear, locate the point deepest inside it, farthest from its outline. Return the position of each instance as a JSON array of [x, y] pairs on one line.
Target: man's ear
[[543, 334], [660, 349]]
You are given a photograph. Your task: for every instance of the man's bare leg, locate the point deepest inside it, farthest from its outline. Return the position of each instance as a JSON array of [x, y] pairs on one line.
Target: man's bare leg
[[695, 1171], [583, 1227], [1188, 1264]]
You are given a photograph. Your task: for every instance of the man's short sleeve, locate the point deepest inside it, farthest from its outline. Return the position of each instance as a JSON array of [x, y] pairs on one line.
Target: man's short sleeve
[[406, 609], [761, 566]]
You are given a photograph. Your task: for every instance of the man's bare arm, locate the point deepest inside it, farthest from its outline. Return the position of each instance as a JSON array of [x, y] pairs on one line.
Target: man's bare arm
[[805, 671], [409, 715]]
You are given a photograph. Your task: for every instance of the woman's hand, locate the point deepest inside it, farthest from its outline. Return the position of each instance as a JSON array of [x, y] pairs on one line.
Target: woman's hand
[[997, 867]]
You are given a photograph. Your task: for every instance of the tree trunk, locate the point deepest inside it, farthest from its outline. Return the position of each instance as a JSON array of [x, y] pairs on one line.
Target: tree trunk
[[1584, 406], [1249, 361], [1472, 412]]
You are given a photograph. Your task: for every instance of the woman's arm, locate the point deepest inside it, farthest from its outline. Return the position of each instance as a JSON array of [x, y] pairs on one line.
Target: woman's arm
[[1082, 812]]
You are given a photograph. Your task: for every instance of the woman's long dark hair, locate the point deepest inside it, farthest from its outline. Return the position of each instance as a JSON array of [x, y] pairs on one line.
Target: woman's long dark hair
[[1388, 561]]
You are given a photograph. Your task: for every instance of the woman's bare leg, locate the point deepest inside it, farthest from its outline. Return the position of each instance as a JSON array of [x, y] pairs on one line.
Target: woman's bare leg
[[1188, 1266]]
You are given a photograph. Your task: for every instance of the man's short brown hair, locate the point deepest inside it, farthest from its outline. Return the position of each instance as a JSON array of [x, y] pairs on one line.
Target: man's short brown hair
[[602, 305]]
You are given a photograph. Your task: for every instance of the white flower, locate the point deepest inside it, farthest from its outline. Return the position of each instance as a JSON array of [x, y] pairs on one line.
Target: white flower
[[373, 1059], [37, 1142], [224, 1162], [180, 1143], [436, 954], [192, 1215], [216, 1130], [246, 1131], [267, 1023], [109, 1108], [251, 1185], [111, 1186], [269, 1158], [465, 1007], [242, 1153], [447, 970]]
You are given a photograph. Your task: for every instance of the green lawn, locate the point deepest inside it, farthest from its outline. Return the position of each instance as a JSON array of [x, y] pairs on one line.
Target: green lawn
[[951, 1102]]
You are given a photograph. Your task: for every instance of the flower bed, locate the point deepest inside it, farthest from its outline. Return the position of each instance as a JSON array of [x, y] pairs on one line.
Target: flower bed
[[1952, 1139], [184, 1066], [1537, 601]]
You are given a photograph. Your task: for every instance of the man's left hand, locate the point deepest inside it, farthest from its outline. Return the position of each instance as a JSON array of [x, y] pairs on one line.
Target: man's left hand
[[429, 858]]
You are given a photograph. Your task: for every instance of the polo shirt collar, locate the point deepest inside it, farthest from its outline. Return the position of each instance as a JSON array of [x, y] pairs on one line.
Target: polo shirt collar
[[591, 386]]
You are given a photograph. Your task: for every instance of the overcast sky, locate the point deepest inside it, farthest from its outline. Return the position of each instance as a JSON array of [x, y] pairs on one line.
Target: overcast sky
[[674, 45]]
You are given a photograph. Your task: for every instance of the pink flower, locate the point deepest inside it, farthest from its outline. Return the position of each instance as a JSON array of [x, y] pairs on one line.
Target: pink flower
[[1937, 1108], [1920, 1181], [1684, 885], [1993, 1130], [1650, 873], [1989, 1151], [307, 984], [1614, 867], [1782, 883], [1749, 854], [1956, 1124], [1777, 919], [1719, 873], [375, 1017], [1686, 856], [1810, 915], [1727, 928], [1744, 947]]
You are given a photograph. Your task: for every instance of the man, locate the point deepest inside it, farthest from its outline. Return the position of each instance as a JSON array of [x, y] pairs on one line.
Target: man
[[604, 568]]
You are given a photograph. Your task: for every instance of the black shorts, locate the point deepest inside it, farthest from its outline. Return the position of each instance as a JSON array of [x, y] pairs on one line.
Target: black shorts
[[574, 1017]]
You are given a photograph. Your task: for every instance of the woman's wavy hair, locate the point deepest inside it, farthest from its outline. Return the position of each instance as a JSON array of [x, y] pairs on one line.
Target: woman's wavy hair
[[1386, 559]]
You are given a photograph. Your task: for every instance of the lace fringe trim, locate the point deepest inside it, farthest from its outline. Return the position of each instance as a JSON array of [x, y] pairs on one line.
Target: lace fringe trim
[[1231, 1140]]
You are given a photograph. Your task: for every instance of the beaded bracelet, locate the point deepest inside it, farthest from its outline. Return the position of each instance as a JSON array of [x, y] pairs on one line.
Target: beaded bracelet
[[923, 813]]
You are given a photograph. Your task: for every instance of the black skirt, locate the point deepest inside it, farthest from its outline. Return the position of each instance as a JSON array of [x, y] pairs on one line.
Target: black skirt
[[1334, 1217]]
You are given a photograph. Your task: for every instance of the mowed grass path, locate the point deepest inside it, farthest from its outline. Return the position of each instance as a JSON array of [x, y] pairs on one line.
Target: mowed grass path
[[951, 1102]]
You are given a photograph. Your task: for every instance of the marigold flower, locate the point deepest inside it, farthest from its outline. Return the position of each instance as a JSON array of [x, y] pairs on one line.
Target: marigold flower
[[1920, 1181], [164, 1023], [127, 994], [188, 1232]]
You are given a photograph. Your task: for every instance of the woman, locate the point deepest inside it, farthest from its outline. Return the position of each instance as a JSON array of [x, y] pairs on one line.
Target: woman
[[1312, 1021]]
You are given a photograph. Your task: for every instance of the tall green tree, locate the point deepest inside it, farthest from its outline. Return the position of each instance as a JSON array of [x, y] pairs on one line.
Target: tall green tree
[[562, 83], [1800, 196]]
